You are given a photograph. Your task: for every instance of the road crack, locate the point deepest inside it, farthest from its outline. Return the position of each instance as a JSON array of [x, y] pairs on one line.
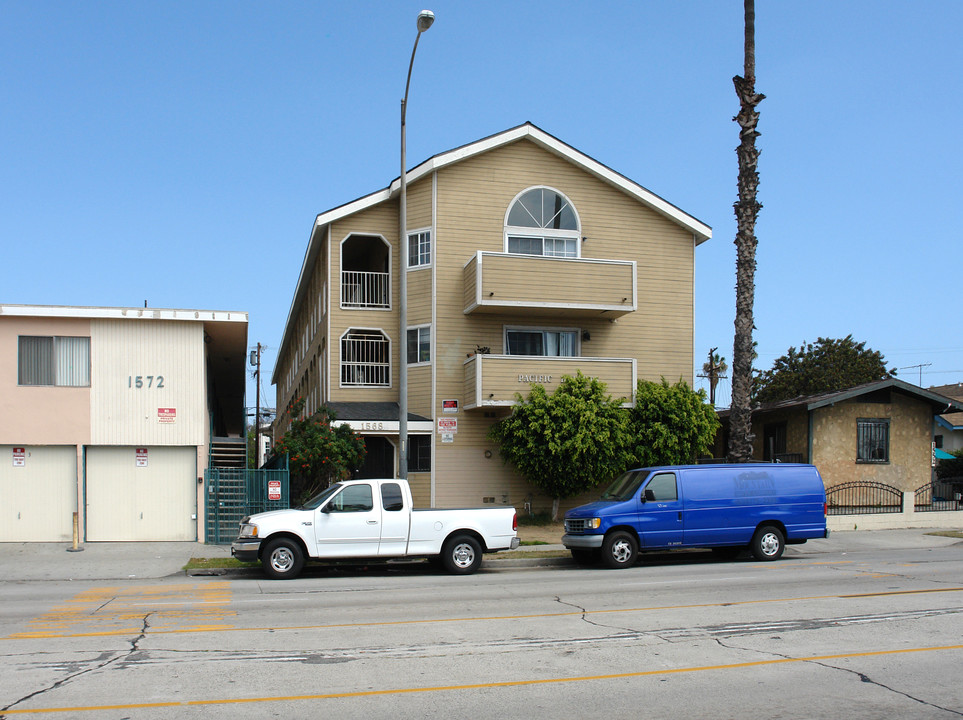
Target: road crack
[[863, 677], [103, 660]]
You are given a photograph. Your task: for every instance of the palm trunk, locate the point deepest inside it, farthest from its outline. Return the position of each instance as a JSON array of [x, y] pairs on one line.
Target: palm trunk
[[747, 209]]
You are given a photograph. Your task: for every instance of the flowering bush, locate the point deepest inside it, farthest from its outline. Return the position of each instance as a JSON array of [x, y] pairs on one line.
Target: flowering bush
[[319, 453]]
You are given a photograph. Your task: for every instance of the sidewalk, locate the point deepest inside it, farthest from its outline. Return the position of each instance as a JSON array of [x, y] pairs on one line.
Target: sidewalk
[[25, 562]]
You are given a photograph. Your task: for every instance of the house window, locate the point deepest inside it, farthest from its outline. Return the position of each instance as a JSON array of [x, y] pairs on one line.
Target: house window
[[365, 358], [419, 249], [872, 440], [938, 441], [419, 453], [58, 361], [541, 221], [419, 344], [544, 343]]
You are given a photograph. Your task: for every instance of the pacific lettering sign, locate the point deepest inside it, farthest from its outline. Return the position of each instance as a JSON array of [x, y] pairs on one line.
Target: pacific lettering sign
[[541, 379]]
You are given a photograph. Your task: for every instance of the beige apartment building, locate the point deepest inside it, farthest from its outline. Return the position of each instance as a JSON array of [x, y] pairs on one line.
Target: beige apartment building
[[114, 414], [525, 260]]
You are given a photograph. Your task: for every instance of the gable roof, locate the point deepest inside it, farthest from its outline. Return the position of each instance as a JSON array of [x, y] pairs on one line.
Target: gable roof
[[527, 131], [939, 404]]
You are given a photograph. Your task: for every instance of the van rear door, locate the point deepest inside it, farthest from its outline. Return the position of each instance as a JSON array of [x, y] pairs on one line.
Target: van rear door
[[659, 520]]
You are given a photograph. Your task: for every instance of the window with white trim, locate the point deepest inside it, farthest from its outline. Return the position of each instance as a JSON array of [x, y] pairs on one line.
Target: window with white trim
[[419, 344], [541, 342], [365, 358], [419, 249], [542, 221], [57, 361]]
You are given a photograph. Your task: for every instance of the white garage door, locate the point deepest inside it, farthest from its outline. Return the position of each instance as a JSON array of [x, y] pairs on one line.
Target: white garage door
[[141, 493], [38, 493]]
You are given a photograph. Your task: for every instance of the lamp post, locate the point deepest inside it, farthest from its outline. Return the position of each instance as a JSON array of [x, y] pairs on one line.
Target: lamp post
[[425, 19]]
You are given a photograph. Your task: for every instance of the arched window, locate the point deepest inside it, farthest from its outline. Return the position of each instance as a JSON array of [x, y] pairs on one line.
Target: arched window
[[542, 221], [365, 358]]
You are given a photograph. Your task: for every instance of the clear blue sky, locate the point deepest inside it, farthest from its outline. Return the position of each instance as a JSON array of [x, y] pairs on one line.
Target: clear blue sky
[[178, 152]]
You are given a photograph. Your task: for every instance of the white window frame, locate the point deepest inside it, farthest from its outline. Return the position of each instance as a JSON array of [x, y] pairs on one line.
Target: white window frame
[[424, 256], [419, 331], [386, 367], [528, 232], [542, 329]]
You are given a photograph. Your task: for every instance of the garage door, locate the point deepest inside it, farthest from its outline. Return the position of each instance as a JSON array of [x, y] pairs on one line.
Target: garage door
[[38, 493], [141, 493]]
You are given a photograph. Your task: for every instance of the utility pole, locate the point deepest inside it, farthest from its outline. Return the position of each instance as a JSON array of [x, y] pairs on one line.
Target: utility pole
[[713, 370], [256, 362]]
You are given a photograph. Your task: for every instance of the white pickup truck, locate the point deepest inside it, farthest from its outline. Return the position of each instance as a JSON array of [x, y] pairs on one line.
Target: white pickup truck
[[372, 519]]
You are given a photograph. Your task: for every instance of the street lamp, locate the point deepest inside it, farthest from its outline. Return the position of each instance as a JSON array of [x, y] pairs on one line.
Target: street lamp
[[425, 19]]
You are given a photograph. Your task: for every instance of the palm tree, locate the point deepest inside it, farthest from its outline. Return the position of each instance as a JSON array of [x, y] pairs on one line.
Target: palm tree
[[747, 209], [714, 369]]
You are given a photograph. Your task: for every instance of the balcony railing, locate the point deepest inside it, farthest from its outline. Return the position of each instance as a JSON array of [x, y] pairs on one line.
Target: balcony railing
[[493, 380], [365, 289], [579, 287]]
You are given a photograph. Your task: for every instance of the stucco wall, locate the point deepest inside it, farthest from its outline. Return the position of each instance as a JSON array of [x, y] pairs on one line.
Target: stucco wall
[[834, 443]]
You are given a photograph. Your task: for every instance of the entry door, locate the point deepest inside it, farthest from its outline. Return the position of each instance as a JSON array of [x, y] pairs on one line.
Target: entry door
[[660, 516], [379, 459], [349, 525]]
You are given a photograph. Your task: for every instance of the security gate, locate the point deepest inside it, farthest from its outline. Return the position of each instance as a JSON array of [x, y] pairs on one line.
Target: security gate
[[233, 493]]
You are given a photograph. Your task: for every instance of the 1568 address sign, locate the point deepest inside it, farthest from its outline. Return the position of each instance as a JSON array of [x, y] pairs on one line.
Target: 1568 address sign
[[145, 381]]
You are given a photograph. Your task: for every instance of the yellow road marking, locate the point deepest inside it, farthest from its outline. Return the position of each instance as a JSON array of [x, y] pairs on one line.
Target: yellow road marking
[[482, 686], [430, 621]]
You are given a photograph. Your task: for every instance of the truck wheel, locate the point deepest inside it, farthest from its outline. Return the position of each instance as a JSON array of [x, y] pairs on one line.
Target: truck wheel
[[461, 555], [283, 559], [768, 543], [620, 549]]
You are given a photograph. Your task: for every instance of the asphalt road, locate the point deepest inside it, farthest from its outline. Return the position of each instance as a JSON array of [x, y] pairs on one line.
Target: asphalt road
[[863, 633]]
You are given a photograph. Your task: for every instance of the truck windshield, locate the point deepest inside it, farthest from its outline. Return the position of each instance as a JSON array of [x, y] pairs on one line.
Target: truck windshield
[[625, 486], [319, 499]]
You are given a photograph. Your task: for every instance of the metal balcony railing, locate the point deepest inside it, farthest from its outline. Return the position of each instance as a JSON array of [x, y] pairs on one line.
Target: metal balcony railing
[[365, 289]]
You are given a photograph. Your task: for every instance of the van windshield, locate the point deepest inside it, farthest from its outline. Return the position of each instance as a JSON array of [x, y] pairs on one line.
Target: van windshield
[[626, 486]]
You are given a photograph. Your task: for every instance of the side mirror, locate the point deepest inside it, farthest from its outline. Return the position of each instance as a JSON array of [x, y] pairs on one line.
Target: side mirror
[[649, 495]]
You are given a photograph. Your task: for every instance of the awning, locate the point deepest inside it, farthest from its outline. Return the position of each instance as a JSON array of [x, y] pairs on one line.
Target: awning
[[942, 454]]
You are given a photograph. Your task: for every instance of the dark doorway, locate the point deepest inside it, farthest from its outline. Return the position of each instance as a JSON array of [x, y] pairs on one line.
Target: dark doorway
[[379, 461], [774, 440]]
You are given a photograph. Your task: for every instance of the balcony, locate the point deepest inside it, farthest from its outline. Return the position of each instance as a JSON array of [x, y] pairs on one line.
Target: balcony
[[361, 290], [493, 380], [582, 288]]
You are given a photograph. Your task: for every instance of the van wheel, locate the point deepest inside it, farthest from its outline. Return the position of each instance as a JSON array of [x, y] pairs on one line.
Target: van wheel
[[282, 559], [768, 543], [620, 549], [461, 555]]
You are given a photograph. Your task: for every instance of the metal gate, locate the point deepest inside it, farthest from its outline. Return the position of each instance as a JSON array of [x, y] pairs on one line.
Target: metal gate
[[234, 493]]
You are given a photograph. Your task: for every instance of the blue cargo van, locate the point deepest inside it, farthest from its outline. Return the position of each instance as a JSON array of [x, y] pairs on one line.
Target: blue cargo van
[[760, 507]]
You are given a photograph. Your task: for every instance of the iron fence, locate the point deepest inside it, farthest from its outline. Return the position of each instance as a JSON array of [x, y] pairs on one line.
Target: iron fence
[[864, 497], [233, 493], [938, 496]]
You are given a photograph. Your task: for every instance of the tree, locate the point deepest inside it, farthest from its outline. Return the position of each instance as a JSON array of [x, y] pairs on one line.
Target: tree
[[747, 209], [714, 369], [318, 452], [824, 366], [670, 424], [567, 442]]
